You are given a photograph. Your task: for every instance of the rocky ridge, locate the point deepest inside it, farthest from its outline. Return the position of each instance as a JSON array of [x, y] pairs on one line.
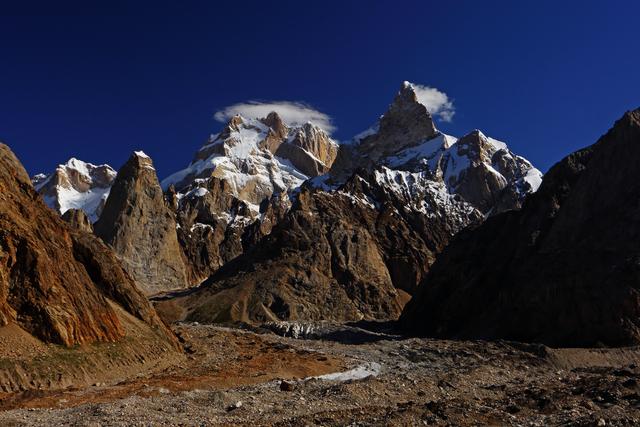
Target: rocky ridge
[[562, 271], [408, 154], [238, 184], [257, 158]]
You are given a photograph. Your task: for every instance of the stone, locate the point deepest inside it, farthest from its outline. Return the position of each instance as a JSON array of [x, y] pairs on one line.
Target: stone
[[141, 228], [287, 386]]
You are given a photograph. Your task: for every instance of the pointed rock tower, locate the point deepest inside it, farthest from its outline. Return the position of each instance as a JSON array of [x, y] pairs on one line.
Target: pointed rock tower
[[406, 123], [60, 285], [141, 228]]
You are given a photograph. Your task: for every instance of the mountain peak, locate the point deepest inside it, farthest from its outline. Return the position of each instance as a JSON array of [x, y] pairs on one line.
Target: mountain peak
[[76, 185], [138, 225], [407, 121], [138, 163], [59, 279], [278, 128], [235, 122]]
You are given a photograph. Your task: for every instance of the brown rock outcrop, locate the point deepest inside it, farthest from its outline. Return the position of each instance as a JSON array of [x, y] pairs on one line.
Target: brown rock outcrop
[[310, 150], [309, 267], [334, 255], [562, 271], [57, 283], [140, 227], [78, 219]]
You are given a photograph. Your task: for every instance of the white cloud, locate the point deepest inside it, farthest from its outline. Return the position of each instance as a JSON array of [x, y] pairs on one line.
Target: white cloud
[[437, 102], [292, 113]]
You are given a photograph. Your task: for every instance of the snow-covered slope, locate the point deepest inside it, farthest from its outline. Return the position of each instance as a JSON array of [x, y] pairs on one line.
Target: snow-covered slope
[[474, 167], [76, 185], [257, 158], [413, 159]]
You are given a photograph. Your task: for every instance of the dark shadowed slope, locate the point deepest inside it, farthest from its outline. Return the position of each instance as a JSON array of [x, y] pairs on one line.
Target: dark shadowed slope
[[565, 270]]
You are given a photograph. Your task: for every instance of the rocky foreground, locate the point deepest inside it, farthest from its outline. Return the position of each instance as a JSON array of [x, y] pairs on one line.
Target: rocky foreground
[[263, 379]]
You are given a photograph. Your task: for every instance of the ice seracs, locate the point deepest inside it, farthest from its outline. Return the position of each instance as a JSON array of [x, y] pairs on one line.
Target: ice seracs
[[76, 185]]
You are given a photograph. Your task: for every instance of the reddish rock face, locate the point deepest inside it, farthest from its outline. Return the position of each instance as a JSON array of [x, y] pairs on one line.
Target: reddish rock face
[[563, 271], [55, 282]]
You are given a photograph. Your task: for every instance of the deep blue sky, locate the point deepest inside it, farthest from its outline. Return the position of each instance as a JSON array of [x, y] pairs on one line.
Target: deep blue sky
[[546, 76]]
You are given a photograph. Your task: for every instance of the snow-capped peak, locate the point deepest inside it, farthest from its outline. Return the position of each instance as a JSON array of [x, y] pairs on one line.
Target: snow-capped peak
[[76, 185], [258, 157]]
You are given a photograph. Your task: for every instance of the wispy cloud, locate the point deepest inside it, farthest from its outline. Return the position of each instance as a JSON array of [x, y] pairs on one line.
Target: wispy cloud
[[292, 113], [436, 101]]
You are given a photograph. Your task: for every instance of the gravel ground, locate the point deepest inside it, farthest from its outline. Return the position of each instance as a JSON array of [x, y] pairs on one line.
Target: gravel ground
[[386, 380]]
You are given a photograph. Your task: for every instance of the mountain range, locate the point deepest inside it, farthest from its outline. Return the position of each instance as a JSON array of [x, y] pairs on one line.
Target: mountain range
[[272, 224], [352, 228]]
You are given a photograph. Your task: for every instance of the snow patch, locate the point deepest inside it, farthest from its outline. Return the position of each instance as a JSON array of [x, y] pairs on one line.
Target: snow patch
[[368, 369], [534, 178]]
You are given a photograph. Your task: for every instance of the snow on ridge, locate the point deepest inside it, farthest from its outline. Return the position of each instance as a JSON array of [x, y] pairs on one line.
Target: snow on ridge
[[533, 177], [426, 152], [371, 130], [197, 192], [79, 185], [91, 201], [243, 160]]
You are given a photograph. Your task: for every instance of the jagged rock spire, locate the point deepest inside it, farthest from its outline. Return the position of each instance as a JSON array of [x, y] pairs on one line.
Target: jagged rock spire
[[141, 228]]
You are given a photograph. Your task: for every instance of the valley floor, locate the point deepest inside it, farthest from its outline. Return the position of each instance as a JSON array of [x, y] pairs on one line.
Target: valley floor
[[234, 377]]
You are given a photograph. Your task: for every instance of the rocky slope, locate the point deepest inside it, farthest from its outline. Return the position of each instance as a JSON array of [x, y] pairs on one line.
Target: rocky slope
[[64, 287], [562, 271], [78, 219], [76, 185], [237, 186], [137, 223], [358, 241]]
